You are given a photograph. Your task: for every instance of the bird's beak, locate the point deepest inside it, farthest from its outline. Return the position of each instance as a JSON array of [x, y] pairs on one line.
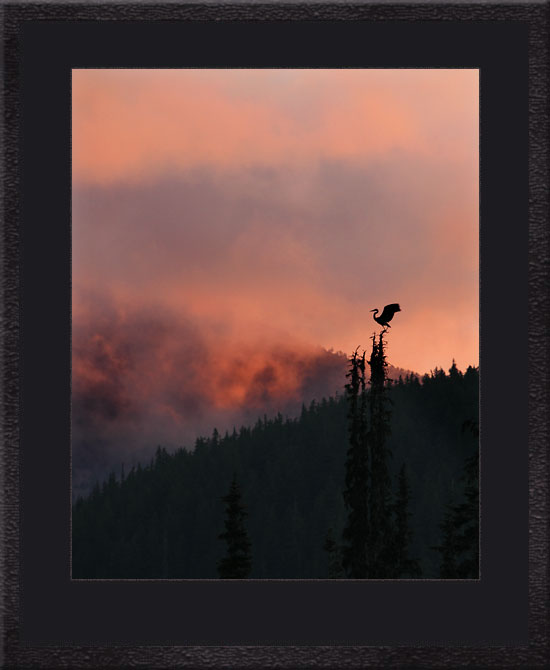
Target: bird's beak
[[372, 310]]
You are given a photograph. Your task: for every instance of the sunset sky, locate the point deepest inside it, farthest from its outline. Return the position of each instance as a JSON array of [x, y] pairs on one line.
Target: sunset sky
[[230, 225]]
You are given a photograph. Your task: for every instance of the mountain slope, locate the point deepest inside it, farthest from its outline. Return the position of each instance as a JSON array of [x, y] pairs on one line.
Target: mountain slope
[[163, 520]]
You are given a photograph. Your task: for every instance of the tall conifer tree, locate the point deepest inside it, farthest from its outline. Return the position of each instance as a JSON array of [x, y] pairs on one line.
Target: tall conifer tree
[[459, 549], [467, 518], [356, 531], [379, 550], [448, 548], [403, 565], [237, 562], [334, 556]]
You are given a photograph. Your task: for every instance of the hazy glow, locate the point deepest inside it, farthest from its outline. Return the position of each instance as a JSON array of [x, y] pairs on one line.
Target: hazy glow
[[247, 218]]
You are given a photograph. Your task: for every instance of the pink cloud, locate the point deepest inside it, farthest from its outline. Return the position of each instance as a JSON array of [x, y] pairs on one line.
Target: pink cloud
[[249, 219], [131, 124]]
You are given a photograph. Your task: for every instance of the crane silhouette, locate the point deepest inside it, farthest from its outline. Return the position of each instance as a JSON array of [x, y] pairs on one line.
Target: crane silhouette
[[387, 314]]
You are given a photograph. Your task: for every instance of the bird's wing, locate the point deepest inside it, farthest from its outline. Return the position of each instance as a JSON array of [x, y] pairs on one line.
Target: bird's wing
[[390, 310]]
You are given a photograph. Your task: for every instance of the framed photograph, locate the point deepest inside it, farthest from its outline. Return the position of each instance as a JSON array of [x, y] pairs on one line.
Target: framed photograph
[[220, 277], [275, 296]]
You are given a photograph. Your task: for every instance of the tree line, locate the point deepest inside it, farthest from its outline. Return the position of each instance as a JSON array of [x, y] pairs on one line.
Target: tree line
[[377, 536], [380, 482]]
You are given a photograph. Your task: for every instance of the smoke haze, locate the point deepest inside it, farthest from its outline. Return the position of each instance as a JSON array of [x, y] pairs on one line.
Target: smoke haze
[[233, 228]]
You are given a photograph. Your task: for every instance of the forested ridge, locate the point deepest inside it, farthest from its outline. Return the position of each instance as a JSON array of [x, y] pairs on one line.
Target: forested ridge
[[164, 519]]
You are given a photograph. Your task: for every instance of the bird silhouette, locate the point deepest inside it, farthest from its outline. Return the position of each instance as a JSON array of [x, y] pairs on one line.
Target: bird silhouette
[[387, 314]]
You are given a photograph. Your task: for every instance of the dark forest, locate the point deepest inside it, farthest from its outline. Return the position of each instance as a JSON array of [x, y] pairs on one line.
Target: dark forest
[[287, 478]]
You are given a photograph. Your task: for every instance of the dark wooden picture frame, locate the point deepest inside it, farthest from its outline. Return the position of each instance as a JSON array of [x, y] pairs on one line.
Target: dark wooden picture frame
[[36, 352]]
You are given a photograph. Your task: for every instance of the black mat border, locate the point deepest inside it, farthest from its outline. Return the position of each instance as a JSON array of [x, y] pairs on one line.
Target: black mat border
[[536, 15]]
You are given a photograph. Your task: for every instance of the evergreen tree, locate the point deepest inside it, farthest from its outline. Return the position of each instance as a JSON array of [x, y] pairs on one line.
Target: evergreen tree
[[372, 547], [448, 549], [460, 528], [356, 531], [380, 545], [237, 562], [467, 522], [403, 565], [334, 556]]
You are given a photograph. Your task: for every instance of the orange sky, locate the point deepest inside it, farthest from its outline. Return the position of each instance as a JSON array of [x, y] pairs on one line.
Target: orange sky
[[275, 208], [416, 128]]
